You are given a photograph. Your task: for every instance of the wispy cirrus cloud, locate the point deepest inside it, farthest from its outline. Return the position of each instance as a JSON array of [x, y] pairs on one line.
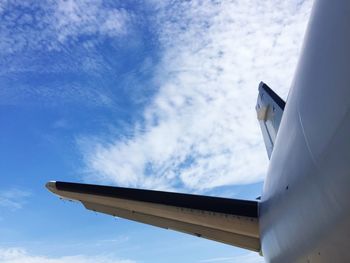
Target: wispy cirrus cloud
[[51, 25], [13, 199], [51, 51], [20, 255], [76, 17], [200, 131], [250, 257]]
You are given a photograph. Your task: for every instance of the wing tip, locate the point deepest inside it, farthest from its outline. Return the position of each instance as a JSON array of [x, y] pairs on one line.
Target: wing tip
[[51, 186]]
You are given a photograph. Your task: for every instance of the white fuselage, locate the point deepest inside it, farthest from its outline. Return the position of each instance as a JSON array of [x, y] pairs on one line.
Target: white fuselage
[[305, 206]]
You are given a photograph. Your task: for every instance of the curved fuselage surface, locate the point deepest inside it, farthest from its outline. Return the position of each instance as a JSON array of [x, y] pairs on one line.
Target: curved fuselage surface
[[305, 206]]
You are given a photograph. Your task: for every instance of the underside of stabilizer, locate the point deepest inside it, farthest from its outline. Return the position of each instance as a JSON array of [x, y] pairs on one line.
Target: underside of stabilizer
[[230, 221]]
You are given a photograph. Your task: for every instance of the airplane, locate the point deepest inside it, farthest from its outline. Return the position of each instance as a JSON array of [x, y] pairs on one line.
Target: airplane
[[304, 211]]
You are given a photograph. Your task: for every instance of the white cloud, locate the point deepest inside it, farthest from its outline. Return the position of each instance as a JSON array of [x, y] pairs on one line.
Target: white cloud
[[250, 257], [51, 25], [13, 199], [201, 130], [62, 39], [20, 255], [77, 17]]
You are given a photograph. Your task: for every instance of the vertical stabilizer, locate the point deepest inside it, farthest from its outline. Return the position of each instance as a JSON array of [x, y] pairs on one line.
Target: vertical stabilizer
[[269, 108]]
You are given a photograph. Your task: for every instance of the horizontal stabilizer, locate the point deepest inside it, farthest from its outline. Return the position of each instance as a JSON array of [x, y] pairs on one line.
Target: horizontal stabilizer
[[269, 110], [229, 221]]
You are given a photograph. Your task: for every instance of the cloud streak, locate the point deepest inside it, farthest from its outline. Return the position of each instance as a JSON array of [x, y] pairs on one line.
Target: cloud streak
[[246, 258], [200, 131], [75, 17], [51, 25], [19, 255], [13, 199], [51, 51]]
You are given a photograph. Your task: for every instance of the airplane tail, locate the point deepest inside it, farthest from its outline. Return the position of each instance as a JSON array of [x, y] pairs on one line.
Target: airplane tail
[[231, 221], [269, 108]]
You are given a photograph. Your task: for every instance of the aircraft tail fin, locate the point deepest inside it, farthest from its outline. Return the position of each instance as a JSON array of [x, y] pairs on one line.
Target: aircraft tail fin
[[269, 110]]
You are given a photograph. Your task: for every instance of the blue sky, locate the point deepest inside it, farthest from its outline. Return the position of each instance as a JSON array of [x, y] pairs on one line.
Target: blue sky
[[150, 94]]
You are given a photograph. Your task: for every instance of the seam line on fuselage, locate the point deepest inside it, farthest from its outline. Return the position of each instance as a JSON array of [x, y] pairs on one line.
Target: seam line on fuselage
[[306, 141]]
